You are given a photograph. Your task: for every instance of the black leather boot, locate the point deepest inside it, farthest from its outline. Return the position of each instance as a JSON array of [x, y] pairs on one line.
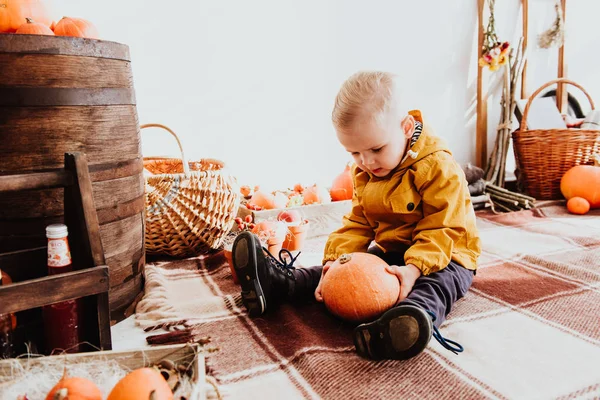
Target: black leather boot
[[265, 280], [399, 334]]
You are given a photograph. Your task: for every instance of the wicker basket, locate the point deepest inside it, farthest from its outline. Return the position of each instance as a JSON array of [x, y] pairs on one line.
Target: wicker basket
[[544, 155], [190, 206]]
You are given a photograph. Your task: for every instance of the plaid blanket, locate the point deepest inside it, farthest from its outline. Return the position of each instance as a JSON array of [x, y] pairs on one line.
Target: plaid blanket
[[530, 324]]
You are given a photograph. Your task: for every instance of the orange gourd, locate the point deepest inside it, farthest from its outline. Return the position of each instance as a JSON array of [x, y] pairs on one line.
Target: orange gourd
[[245, 190], [316, 194], [311, 195], [34, 28], [76, 27], [74, 389], [342, 186], [14, 12], [298, 188], [582, 181], [141, 384], [578, 205], [358, 288], [263, 199]]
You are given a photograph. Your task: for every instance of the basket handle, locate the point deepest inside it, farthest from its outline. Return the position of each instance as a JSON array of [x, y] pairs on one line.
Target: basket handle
[[544, 86], [186, 167]]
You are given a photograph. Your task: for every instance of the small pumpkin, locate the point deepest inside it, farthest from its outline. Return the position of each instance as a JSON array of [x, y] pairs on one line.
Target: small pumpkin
[[14, 12], [74, 389], [316, 194], [263, 199], [342, 186], [358, 288], [298, 188], [142, 384], [30, 27], [582, 181], [245, 190], [76, 27], [578, 205]]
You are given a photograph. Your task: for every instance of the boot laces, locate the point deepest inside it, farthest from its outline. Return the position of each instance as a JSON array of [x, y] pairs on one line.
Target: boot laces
[[283, 264], [446, 343]]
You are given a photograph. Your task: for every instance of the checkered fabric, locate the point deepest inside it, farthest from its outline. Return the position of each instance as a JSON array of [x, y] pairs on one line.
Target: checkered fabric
[[530, 324]]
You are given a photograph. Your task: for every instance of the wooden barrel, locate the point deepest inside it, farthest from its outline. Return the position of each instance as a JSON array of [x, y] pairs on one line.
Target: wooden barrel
[[62, 94]]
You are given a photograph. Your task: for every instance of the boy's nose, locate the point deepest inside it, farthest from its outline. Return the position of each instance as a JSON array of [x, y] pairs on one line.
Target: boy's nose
[[368, 160]]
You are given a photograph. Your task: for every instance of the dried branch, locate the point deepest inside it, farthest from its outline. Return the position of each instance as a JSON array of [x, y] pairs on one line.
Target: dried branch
[[495, 174]]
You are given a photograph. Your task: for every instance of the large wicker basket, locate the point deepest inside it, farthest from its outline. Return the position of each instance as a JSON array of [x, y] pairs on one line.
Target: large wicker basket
[[190, 206], [544, 155]]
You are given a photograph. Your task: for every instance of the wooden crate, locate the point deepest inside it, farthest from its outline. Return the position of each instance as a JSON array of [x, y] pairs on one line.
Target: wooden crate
[[130, 360], [324, 218], [31, 288]]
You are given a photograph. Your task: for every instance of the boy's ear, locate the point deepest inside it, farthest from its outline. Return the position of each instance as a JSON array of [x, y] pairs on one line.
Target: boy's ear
[[408, 126]]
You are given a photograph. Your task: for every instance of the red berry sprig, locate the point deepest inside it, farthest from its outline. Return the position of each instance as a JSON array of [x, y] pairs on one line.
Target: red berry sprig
[[246, 224]]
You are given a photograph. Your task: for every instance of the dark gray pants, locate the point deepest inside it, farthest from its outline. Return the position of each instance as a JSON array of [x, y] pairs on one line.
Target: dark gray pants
[[436, 292]]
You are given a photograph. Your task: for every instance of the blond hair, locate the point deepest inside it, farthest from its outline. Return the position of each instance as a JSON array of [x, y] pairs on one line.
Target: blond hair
[[370, 94]]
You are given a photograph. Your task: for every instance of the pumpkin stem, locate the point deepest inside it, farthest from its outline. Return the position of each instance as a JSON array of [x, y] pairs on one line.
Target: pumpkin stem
[[344, 258], [29, 20], [62, 394], [152, 395]]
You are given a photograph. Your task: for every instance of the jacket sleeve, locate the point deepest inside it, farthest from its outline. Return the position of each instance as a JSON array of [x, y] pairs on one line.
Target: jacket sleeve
[[355, 234], [443, 191]]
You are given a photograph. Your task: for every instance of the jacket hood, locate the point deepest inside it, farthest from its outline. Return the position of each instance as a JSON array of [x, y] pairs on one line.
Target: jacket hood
[[425, 145]]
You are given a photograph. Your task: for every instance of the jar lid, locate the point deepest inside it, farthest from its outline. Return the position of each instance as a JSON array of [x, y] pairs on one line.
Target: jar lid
[[56, 231]]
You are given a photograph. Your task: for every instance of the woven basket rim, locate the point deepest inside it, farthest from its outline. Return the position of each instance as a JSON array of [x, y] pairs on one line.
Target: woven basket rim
[[175, 160], [570, 130], [214, 165], [192, 174]]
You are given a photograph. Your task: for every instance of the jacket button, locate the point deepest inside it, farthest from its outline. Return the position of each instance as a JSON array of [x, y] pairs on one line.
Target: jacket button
[[411, 206]]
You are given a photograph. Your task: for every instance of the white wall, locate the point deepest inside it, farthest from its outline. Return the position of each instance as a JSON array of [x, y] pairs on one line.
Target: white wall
[[253, 82]]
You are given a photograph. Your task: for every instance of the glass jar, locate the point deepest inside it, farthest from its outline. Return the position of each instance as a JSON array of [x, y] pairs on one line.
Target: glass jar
[[61, 320]]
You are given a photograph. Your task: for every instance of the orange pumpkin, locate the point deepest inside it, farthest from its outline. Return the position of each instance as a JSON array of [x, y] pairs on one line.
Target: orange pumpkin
[[342, 186], [140, 384], [76, 27], [358, 288], [245, 190], [34, 28], [316, 195], [578, 205], [74, 389], [263, 199], [298, 188], [14, 12], [582, 181]]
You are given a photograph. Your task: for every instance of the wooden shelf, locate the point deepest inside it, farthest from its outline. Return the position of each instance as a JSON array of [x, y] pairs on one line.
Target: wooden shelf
[[31, 288]]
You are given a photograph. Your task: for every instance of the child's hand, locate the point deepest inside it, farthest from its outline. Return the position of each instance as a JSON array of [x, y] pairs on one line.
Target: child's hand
[[318, 295], [407, 276]]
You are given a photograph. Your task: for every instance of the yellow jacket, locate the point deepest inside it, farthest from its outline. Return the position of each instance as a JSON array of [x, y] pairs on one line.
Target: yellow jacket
[[423, 204]]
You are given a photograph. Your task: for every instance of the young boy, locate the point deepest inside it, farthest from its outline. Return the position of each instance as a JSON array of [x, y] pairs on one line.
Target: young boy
[[411, 198]]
